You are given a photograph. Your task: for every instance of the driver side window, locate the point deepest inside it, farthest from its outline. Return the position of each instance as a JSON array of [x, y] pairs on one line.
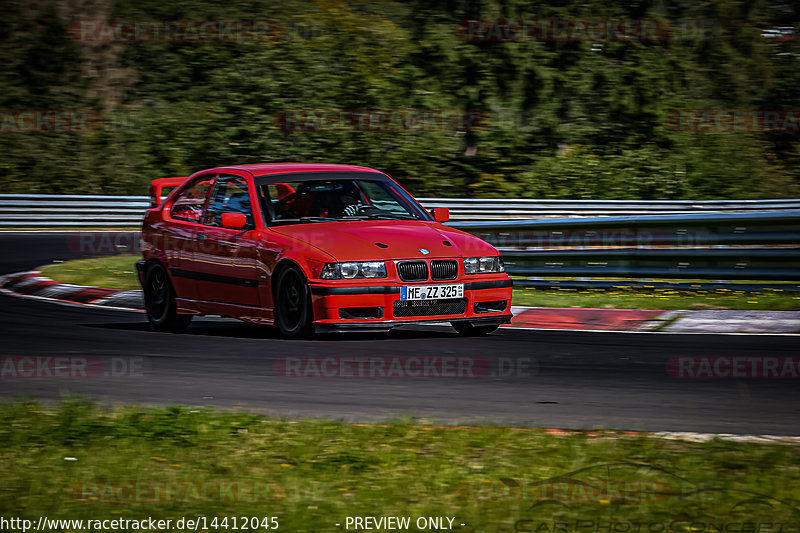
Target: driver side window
[[230, 195], [188, 206]]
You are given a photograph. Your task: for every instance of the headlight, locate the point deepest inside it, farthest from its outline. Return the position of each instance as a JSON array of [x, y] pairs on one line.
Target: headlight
[[483, 265], [354, 269]]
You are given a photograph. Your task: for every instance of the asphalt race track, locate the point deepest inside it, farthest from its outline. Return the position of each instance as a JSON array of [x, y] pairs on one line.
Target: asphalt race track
[[528, 378]]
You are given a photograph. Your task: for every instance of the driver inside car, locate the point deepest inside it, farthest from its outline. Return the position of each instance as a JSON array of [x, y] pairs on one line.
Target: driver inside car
[[343, 199]]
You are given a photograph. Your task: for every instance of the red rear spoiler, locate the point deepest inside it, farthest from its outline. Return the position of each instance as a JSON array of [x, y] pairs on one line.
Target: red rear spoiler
[[157, 187]]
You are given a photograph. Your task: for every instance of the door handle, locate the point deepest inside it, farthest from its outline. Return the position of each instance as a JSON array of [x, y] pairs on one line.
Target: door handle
[[201, 237]]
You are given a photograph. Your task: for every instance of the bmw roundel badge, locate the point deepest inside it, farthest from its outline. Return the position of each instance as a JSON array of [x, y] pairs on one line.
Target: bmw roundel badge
[[423, 251]]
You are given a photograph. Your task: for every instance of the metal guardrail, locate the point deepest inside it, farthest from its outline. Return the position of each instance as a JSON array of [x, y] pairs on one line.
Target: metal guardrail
[[517, 209], [71, 211], [707, 229], [745, 245], [42, 210], [730, 246]]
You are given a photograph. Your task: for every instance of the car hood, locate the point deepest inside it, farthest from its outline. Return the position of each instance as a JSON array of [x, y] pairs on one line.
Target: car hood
[[363, 240]]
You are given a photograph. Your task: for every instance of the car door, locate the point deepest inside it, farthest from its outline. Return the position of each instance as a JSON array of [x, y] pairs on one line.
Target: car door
[[178, 236], [224, 262]]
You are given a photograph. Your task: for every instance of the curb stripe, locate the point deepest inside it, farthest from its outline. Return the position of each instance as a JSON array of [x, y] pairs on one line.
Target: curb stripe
[[32, 283]]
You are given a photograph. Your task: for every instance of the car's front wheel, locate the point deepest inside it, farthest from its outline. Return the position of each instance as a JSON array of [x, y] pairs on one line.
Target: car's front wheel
[[470, 330], [159, 301], [293, 314]]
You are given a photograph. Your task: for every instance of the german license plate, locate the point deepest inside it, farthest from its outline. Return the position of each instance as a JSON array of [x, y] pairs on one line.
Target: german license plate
[[431, 292]]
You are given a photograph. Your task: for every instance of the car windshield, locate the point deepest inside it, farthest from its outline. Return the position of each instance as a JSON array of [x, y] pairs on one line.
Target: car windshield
[[327, 197]]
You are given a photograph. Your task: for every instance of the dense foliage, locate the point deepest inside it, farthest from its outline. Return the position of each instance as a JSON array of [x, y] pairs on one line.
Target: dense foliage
[[558, 119]]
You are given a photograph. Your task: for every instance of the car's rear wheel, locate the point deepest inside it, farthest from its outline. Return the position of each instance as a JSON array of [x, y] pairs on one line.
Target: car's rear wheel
[[470, 330], [159, 301], [293, 314]]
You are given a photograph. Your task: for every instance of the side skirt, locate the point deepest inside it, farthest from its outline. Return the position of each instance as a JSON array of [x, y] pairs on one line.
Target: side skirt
[[255, 315]]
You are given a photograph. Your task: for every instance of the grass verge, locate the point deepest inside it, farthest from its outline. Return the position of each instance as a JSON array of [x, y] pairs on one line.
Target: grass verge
[[658, 299], [118, 272], [110, 272], [80, 462]]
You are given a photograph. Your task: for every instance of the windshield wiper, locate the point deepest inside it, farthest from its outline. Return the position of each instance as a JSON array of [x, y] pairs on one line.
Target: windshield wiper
[[304, 219], [390, 216]]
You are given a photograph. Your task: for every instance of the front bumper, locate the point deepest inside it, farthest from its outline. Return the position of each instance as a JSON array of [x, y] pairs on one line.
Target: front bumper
[[358, 326], [332, 300]]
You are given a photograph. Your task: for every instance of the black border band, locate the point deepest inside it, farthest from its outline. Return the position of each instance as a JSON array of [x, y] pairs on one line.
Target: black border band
[[498, 284], [379, 289], [387, 289]]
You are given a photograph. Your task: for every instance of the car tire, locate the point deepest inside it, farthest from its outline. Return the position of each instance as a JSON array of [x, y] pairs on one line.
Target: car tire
[[159, 301], [293, 314], [466, 329]]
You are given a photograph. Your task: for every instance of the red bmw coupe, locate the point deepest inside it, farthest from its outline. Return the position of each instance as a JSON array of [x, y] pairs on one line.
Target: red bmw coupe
[[313, 247]]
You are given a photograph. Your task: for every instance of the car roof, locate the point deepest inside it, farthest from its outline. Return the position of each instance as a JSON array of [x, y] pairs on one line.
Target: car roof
[[265, 169]]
